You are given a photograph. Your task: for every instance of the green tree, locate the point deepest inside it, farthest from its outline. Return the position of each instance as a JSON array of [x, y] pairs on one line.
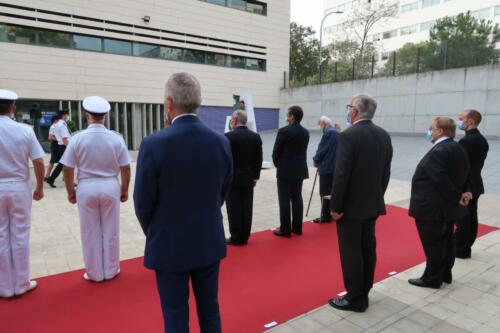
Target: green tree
[[304, 54], [463, 41]]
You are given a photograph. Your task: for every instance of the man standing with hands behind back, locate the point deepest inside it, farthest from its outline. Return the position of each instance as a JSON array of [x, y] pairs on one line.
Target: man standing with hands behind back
[[362, 173], [476, 147], [246, 147]]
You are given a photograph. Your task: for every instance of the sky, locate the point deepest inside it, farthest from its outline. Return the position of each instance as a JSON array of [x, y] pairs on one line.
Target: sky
[[307, 12]]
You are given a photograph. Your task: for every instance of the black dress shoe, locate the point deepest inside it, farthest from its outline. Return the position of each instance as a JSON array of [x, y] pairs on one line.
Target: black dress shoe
[[345, 305], [298, 233], [317, 220], [51, 183], [462, 255], [280, 233], [230, 241], [448, 278], [421, 283]]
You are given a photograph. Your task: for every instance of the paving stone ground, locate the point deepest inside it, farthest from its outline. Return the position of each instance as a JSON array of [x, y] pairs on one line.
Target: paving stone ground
[[470, 304]]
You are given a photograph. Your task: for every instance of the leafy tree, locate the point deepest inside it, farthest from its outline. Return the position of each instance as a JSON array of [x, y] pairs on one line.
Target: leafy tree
[[304, 54]]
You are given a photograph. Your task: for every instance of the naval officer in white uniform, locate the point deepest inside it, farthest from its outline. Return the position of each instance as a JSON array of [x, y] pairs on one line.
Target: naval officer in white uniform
[[100, 156], [18, 145]]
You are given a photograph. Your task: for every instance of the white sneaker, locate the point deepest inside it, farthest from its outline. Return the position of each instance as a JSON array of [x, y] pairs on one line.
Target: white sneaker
[[86, 276], [33, 285]]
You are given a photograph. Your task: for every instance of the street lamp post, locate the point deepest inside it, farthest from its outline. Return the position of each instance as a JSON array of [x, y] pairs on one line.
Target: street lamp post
[[321, 40]]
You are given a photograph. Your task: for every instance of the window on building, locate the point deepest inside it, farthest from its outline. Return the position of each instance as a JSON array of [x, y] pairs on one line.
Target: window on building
[[384, 56], [428, 3], [217, 2], [390, 34], [237, 4], [117, 46], [409, 7], [408, 30], [54, 38], [238, 62], [252, 6], [481, 14], [146, 50], [216, 59], [22, 35], [194, 56], [88, 43], [426, 26], [171, 53], [497, 10], [373, 38], [256, 8], [255, 64]]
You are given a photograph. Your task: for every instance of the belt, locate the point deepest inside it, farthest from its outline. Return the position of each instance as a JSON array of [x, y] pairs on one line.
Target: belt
[[90, 179]]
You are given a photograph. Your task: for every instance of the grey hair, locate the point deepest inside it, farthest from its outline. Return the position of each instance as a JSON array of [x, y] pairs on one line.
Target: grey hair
[[185, 92], [325, 120], [241, 116], [366, 105]]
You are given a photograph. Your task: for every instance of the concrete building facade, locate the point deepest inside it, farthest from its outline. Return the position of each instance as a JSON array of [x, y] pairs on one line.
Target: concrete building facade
[[54, 53], [413, 20]]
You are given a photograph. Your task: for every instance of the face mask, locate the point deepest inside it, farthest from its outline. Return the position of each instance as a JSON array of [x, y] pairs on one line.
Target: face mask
[[461, 125], [348, 120], [429, 135]]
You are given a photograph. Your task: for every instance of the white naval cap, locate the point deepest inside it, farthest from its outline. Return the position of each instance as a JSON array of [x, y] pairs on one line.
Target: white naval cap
[[7, 96], [96, 104]]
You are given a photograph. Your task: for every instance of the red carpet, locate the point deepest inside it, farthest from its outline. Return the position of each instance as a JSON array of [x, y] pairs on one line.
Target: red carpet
[[272, 279]]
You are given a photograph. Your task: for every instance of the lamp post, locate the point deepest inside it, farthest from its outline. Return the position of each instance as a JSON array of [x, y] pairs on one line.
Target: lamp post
[[321, 39]]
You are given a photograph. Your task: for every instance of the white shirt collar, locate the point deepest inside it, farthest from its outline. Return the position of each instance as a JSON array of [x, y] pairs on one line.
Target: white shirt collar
[[184, 115], [96, 125], [438, 141]]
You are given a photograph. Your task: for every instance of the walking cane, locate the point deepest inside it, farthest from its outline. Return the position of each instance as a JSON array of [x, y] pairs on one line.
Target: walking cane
[[312, 191]]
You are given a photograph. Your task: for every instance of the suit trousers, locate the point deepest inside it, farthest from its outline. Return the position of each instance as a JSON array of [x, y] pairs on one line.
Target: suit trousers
[[239, 204], [290, 201], [15, 215], [59, 167], [173, 288], [358, 256], [99, 209], [325, 189], [466, 233], [439, 246]]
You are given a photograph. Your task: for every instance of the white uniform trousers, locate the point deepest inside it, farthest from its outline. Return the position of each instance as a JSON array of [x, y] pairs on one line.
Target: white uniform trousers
[[15, 214], [99, 209]]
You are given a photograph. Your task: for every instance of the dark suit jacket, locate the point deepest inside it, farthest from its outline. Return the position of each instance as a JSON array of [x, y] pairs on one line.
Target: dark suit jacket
[[327, 152], [246, 147], [362, 171], [438, 183], [290, 152], [183, 174], [476, 147]]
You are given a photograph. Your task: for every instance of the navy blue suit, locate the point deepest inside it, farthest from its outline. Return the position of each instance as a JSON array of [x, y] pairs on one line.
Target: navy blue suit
[[183, 175]]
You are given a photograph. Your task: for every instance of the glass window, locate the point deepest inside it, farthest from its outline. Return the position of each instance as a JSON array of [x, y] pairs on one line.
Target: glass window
[[117, 46], [497, 10], [237, 62], [171, 53], [21, 35], [481, 14], [428, 3], [237, 4], [390, 34], [54, 38], [82, 42], [3, 33], [255, 64], [426, 26], [216, 59], [257, 8], [408, 30], [194, 56], [146, 50], [409, 7], [216, 2]]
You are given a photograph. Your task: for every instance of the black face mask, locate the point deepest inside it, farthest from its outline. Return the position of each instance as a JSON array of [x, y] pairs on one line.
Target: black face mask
[[230, 126]]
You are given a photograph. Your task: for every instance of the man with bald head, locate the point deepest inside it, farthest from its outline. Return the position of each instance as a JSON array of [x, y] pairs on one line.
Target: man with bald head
[[476, 147]]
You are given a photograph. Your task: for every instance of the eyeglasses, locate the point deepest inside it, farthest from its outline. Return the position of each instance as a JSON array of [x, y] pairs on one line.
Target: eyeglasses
[[349, 106]]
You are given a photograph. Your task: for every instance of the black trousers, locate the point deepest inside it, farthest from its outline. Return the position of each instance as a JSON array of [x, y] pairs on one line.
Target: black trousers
[[57, 170], [466, 233], [291, 205], [239, 204], [358, 256], [173, 288], [439, 246], [325, 189]]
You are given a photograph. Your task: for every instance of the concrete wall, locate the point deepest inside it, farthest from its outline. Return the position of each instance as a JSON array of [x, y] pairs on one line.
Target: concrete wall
[[407, 103]]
